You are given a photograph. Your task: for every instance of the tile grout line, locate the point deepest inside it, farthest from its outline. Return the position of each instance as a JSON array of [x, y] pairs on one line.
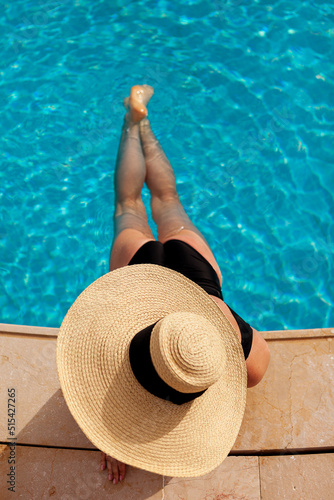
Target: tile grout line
[[237, 453], [286, 339], [163, 487], [282, 452]]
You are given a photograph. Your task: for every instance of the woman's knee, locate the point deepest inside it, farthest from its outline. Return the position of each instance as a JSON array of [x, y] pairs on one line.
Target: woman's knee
[[165, 198], [167, 206], [133, 206], [131, 215], [128, 220]]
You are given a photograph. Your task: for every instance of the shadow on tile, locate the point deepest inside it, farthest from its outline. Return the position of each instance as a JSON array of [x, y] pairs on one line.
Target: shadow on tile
[[69, 475]]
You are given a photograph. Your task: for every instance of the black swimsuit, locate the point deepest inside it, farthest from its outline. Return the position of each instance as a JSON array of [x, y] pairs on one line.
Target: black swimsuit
[[183, 258]]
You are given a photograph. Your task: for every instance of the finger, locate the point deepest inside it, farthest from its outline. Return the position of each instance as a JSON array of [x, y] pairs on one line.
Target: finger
[[114, 465], [109, 467], [121, 468], [103, 460]]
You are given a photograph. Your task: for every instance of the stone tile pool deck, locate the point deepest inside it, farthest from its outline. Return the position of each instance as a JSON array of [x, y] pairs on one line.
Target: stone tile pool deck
[[284, 450]]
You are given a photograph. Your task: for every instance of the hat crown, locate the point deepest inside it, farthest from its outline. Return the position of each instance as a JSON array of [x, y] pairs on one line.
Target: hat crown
[[187, 352]]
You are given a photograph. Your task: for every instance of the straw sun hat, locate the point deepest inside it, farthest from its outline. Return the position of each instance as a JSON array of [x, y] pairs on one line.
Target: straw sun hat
[[152, 371]]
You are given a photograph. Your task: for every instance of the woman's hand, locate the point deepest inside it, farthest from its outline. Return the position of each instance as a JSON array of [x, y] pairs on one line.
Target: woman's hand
[[116, 469]]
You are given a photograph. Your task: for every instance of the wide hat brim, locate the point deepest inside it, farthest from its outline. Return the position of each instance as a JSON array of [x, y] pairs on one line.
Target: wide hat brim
[[114, 411]]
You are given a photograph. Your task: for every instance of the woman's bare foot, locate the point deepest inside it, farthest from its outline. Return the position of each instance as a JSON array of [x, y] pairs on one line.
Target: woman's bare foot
[[136, 103], [116, 469]]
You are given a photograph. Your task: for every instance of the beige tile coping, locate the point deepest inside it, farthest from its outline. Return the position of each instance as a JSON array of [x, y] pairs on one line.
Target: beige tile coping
[[297, 477], [20, 330], [293, 406], [291, 409], [74, 474], [44, 473]]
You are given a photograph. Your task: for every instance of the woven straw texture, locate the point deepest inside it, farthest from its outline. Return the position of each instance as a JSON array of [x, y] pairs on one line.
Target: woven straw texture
[[113, 410], [187, 352]]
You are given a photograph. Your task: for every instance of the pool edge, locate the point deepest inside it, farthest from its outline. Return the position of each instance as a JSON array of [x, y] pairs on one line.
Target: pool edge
[[41, 331]]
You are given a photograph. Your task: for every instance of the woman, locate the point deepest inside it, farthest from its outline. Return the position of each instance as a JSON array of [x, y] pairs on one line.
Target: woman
[[180, 244]]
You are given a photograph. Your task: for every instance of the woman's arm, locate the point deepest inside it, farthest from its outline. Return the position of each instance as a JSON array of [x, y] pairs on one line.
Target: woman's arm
[[258, 360]]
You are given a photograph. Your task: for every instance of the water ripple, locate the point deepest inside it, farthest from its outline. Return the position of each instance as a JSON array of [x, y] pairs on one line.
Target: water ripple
[[243, 106]]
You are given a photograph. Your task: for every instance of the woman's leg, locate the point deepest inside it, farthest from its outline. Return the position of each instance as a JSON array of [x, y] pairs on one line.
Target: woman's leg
[[167, 210], [131, 229]]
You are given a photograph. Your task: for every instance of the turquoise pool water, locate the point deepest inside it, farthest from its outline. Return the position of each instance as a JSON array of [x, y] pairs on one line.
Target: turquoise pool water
[[243, 107]]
